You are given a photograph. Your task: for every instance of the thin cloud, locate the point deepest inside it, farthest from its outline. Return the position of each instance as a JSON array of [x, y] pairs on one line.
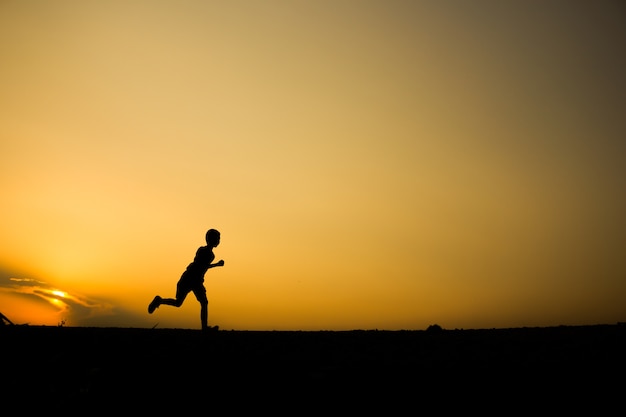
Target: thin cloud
[[68, 307]]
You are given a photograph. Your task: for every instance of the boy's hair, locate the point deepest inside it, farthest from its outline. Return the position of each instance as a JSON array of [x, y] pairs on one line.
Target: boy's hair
[[211, 233]]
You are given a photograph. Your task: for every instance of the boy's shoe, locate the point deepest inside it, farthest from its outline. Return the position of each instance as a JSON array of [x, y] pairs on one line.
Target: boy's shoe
[[154, 304], [210, 329]]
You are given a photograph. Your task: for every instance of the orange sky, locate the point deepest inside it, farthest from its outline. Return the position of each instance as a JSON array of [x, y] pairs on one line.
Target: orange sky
[[370, 164]]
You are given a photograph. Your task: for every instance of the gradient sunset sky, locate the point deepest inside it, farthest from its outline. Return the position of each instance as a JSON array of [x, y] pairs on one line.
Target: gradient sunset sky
[[370, 164]]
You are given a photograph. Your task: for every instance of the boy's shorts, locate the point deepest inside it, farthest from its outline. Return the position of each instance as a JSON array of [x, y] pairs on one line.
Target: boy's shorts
[[188, 284]]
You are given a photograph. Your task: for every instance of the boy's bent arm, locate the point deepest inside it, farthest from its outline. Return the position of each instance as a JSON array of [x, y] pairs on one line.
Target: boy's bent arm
[[219, 263]]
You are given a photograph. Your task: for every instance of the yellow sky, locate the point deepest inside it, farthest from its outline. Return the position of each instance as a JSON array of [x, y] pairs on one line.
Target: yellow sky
[[370, 164]]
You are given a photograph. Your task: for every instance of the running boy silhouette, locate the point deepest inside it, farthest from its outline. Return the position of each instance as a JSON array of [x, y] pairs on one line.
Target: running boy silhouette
[[193, 280]]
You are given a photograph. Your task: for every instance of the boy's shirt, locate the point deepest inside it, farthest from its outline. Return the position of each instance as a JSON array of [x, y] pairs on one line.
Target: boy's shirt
[[202, 260]]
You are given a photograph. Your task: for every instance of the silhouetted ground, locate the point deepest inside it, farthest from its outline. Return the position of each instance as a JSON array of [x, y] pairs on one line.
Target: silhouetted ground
[[163, 371]]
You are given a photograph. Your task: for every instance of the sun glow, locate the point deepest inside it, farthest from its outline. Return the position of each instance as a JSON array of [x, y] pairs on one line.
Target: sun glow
[[57, 302]]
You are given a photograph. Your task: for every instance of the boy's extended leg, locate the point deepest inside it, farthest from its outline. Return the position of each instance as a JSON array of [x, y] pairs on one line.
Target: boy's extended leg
[[181, 294]]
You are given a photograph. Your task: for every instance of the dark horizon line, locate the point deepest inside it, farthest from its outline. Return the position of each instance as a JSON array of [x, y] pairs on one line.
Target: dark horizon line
[[430, 329]]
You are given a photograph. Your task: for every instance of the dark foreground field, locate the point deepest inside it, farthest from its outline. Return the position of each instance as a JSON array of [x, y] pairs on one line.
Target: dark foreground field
[[168, 371]]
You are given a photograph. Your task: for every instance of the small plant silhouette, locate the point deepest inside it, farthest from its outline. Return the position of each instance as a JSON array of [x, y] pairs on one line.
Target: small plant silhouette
[[434, 328]]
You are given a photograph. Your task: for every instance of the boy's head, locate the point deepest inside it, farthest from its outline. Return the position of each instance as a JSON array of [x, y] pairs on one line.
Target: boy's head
[[212, 237]]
